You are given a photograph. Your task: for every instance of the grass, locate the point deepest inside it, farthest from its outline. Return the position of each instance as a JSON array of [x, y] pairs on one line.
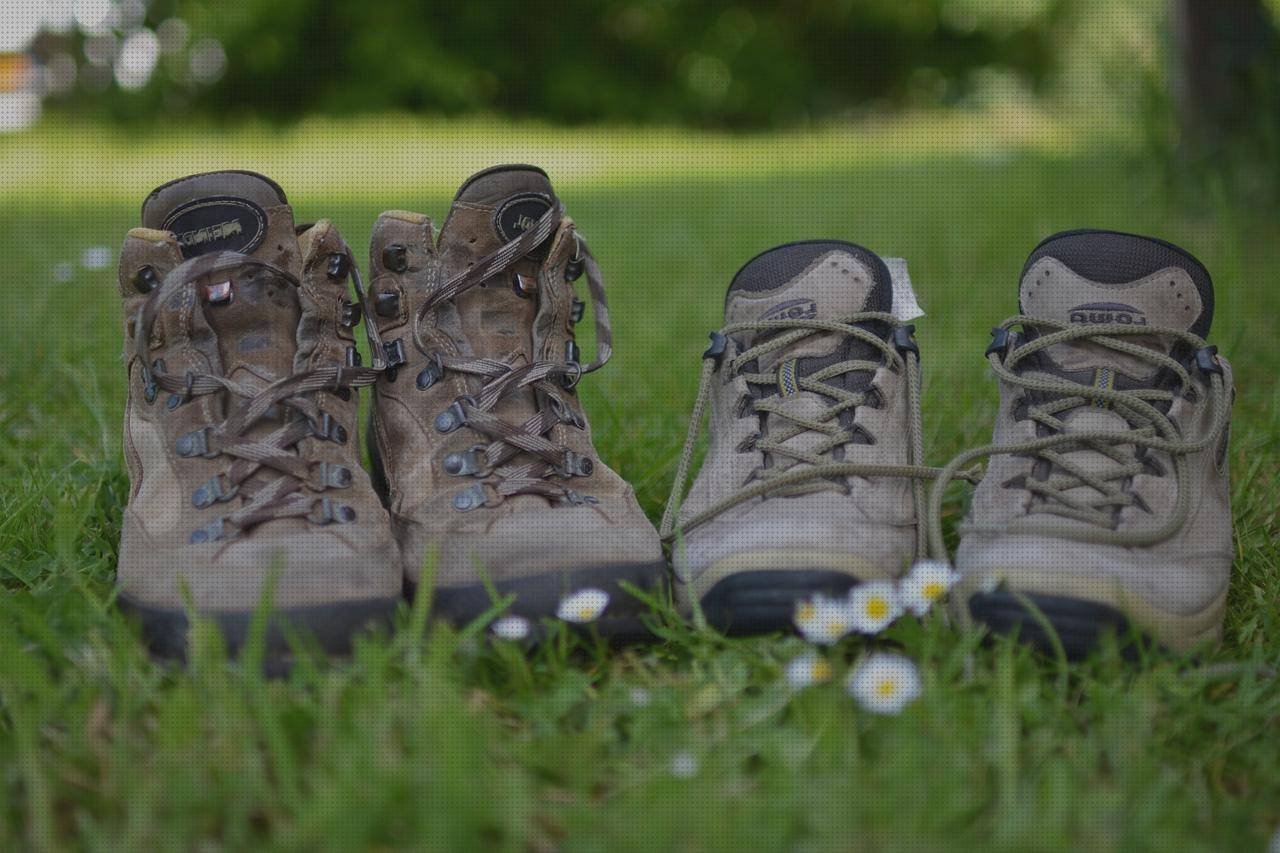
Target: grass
[[429, 738]]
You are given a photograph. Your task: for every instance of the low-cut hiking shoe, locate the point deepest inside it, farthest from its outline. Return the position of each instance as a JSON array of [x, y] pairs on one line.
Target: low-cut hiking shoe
[[1105, 506], [809, 484], [480, 443], [240, 423]]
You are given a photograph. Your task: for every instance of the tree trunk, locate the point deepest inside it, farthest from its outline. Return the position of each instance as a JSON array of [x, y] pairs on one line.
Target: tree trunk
[[1228, 68]]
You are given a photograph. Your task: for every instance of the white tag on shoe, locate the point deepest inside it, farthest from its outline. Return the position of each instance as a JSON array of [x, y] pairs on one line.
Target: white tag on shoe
[[905, 305]]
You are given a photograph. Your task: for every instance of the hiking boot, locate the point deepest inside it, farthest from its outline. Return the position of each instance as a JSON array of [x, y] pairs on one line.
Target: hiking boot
[[809, 484], [1106, 503], [480, 444], [240, 422]]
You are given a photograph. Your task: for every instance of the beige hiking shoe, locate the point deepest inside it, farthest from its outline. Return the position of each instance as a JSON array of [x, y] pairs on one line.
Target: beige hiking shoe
[[809, 484], [1106, 501], [240, 422], [482, 449]]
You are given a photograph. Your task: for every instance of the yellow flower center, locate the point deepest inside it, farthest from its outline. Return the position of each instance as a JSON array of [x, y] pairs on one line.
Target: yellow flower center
[[806, 611], [886, 688], [586, 613], [821, 670], [877, 608], [932, 590]]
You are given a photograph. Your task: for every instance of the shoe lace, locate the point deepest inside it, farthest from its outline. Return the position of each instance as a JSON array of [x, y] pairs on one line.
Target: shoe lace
[[811, 468], [298, 491], [517, 458], [1149, 428]]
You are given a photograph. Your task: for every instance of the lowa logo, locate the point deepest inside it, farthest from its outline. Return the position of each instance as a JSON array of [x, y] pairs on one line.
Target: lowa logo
[[1108, 312], [795, 309], [218, 223], [519, 213]]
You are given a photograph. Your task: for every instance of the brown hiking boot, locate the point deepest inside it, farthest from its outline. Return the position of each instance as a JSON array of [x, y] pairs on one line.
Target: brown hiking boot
[[809, 484], [240, 422], [1106, 503], [481, 443]]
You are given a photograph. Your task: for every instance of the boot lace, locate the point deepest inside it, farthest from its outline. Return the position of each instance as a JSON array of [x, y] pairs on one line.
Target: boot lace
[[299, 489], [517, 458], [1144, 410], [811, 468]]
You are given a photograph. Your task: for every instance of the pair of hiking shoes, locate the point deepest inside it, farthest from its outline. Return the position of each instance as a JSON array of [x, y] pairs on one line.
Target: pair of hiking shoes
[[1107, 500]]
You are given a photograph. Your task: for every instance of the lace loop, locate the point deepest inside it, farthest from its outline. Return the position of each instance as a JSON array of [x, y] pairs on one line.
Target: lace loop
[[811, 468], [1150, 429]]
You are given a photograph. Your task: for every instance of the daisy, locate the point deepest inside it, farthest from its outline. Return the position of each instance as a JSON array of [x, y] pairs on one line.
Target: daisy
[[684, 765], [823, 620], [884, 683], [585, 605], [511, 627], [925, 584], [808, 669], [875, 604]]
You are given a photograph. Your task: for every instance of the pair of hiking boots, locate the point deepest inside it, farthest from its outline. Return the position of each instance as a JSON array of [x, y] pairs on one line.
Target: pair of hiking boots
[[1105, 505], [241, 421], [1109, 501]]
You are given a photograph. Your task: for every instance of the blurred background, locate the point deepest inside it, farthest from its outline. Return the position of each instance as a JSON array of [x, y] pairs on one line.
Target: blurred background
[[1193, 84]]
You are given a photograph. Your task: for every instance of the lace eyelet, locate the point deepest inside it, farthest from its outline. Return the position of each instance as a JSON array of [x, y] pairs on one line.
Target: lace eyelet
[[213, 492], [470, 498], [328, 511], [211, 532], [395, 258], [464, 463], [195, 443], [453, 417]]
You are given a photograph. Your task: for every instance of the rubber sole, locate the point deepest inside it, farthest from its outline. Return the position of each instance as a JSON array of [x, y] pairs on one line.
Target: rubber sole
[[539, 596], [331, 625], [1079, 624], [764, 602]]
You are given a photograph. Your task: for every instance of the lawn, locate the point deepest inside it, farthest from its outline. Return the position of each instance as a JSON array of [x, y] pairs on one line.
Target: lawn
[[433, 738]]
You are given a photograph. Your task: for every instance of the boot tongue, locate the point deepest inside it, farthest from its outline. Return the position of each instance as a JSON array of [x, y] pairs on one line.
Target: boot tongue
[[253, 314], [1096, 277], [825, 280], [493, 208]]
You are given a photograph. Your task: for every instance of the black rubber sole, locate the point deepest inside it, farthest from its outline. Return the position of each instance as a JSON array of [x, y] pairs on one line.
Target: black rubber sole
[[332, 626], [539, 596], [1080, 624], [764, 602]]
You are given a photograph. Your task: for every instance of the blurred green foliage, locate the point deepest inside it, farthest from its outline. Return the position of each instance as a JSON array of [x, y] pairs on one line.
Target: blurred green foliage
[[729, 63]]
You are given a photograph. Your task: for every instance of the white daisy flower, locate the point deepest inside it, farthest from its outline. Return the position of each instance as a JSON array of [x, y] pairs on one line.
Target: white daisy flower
[[875, 605], [808, 669], [640, 697], [884, 683], [511, 627], [585, 605], [95, 258], [926, 583], [823, 620], [684, 765]]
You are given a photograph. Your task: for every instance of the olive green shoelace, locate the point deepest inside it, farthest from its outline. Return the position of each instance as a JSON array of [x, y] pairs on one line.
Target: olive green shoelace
[[1149, 428], [811, 468]]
